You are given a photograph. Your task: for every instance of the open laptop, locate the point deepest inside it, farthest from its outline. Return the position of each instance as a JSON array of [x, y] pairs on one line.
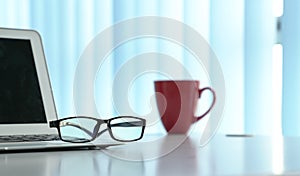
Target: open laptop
[[26, 99]]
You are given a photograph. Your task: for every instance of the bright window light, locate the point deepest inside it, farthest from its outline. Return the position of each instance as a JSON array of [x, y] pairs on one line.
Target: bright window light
[[277, 88], [277, 149], [277, 8]]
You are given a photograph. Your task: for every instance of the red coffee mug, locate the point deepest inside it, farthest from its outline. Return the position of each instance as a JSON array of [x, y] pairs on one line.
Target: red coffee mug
[[177, 102]]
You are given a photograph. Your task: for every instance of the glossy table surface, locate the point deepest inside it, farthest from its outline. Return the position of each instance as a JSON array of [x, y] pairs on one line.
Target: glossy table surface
[[167, 155]]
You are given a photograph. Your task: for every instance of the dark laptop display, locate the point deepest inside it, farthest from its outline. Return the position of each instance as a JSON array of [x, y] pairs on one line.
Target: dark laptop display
[[20, 95]]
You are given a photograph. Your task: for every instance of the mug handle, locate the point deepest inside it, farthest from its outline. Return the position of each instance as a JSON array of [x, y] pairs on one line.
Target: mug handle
[[212, 104]]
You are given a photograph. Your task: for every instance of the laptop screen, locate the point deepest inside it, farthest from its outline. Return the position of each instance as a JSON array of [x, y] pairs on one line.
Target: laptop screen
[[20, 95]]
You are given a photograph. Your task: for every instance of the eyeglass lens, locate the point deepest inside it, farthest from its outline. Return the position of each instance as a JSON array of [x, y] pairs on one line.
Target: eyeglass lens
[[77, 129], [126, 129]]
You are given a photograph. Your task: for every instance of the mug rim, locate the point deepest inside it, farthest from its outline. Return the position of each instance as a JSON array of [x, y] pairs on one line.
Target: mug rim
[[179, 80]]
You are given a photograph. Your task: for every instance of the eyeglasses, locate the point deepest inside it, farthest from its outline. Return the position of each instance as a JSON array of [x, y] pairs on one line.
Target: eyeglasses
[[85, 129]]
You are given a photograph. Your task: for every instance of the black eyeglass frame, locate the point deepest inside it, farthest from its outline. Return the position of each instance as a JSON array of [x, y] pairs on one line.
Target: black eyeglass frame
[[94, 135]]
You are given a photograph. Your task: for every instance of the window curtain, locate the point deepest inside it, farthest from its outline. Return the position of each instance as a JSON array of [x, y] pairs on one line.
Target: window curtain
[[241, 33], [290, 37]]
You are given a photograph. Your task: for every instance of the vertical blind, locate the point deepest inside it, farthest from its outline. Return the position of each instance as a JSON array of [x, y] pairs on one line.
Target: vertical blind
[[241, 33]]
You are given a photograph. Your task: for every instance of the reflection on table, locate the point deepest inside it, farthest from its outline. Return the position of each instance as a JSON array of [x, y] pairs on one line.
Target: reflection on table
[[165, 155]]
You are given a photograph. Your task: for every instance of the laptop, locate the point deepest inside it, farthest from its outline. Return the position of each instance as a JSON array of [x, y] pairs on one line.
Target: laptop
[[26, 99]]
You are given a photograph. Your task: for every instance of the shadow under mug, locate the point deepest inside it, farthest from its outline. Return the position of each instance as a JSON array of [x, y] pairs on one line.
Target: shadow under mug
[[177, 103]]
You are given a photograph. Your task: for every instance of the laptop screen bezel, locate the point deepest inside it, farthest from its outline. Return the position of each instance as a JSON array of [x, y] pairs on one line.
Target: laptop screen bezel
[[44, 82]]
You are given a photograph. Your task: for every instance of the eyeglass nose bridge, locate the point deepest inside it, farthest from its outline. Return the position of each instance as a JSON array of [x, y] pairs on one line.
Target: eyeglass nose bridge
[[96, 130]]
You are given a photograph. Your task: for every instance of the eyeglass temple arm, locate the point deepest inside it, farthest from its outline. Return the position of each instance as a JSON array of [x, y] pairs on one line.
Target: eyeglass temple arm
[[56, 124], [123, 124], [53, 124]]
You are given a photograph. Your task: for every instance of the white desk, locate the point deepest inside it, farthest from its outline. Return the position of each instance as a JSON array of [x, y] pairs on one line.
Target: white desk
[[222, 156]]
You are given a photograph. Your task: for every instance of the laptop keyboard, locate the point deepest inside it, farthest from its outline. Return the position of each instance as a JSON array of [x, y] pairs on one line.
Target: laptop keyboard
[[29, 138]]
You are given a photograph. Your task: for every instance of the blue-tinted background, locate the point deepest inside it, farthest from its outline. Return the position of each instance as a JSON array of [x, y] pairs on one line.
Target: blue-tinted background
[[261, 86]]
